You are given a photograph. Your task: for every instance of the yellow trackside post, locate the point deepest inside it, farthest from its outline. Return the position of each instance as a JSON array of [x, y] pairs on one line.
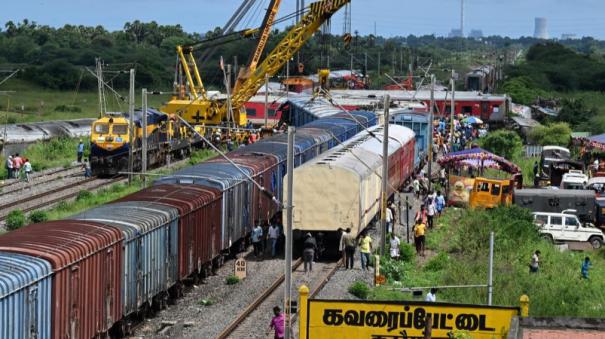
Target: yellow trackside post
[[303, 297]]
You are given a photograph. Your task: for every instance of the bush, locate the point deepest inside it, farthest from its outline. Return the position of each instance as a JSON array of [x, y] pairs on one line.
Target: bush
[[437, 263], [503, 143], [38, 216], [84, 195], [359, 289], [558, 134], [392, 269], [407, 252], [231, 280], [15, 220]]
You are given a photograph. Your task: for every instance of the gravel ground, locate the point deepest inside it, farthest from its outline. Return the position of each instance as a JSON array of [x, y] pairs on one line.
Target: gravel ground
[[35, 187], [257, 323], [229, 300], [10, 185]]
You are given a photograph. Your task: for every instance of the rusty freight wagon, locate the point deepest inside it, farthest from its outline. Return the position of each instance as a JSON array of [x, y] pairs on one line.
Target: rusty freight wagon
[[86, 269]]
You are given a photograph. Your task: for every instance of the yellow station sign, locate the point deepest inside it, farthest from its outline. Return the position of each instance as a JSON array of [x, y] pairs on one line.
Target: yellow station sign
[[398, 320]]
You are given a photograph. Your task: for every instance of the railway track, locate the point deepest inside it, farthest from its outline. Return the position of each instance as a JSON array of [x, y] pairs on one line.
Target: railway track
[[44, 199], [37, 179], [252, 320]]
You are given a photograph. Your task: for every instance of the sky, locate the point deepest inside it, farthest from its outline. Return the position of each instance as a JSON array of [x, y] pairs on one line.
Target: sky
[[512, 18]]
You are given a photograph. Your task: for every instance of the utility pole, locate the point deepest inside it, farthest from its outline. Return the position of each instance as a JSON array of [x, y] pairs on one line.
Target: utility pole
[[490, 272], [131, 135], [351, 65], [431, 138], [453, 106], [378, 63], [144, 141], [99, 71], [385, 176], [365, 63], [288, 231], [266, 99]]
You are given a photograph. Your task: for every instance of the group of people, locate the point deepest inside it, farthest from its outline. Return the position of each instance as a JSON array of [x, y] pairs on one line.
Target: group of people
[[271, 234], [18, 167]]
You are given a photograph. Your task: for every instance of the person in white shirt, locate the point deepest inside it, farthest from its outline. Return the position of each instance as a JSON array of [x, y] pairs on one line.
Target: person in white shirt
[[389, 219], [431, 296], [416, 185], [27, 167], [273, 237], [394, 247], [430, 212]]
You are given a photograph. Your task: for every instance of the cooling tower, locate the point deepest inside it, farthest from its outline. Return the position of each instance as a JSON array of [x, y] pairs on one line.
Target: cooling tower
[[541, 32]]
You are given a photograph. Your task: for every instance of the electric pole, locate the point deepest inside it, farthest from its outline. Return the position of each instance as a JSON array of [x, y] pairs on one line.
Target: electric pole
[[144, 138], [288, 232], [431, 138], [131, 135], [385, 176]]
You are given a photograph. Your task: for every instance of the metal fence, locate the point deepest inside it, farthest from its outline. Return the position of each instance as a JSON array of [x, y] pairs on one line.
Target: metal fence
[[532, 150]]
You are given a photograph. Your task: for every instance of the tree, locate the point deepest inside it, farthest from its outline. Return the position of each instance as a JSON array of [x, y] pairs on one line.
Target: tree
[[557, 134], [503, 143]]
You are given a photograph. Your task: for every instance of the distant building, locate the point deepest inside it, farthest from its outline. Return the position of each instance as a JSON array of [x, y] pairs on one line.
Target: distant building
[[476, 34], [568, 36], [541, 29], [455, 33]]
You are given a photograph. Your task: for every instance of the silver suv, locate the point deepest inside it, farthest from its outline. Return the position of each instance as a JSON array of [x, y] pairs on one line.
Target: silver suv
[[566, 227]]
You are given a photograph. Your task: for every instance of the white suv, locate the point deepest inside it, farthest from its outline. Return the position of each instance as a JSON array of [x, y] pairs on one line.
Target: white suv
[[566, 227]]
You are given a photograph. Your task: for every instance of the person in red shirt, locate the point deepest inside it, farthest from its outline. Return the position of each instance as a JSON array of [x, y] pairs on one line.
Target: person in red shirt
[[17, 163]]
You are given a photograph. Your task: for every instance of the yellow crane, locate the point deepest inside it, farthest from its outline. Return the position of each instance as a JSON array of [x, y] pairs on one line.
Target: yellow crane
[[199, 109]]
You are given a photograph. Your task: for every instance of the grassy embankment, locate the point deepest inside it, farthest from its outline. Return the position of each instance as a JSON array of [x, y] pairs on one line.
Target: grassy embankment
[[29, 103], [86, 199], [461, 246], [116, 191]]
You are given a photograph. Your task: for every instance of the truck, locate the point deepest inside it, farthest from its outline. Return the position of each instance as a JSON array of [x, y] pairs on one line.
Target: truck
[[557, 200]]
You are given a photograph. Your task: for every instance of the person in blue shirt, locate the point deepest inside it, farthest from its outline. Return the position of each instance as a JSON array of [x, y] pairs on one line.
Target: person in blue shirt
[[80, 150], [585, 267]]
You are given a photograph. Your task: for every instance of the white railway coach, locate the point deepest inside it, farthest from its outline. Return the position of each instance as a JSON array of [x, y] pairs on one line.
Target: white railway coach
[[341, 188]]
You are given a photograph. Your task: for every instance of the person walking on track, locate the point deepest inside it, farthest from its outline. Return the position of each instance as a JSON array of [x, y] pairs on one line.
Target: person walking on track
[[257, 236], [309, 247], [278, 323], [419, 230], [80, 150], [273, 237], [349, 243], [27, 168], [365, 248]]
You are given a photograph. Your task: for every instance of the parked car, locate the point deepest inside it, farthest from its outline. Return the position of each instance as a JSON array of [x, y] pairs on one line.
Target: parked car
[[566, 227], [574, 180]]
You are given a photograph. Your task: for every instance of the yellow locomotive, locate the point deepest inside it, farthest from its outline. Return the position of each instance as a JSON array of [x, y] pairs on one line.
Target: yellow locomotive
[[110, 141]]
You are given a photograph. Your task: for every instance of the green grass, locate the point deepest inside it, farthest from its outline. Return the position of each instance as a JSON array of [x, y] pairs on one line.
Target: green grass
[[462, 243], [87, 200], [30, 103]]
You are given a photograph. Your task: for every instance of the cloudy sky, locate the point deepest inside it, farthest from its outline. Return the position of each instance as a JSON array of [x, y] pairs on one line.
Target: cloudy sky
[[392, 17]]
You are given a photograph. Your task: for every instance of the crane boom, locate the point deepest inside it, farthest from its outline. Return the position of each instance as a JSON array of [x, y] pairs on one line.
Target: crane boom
[[214, 111], [319, 12]]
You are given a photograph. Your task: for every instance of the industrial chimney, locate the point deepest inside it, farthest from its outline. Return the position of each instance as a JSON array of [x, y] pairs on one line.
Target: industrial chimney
[[541, 31]]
